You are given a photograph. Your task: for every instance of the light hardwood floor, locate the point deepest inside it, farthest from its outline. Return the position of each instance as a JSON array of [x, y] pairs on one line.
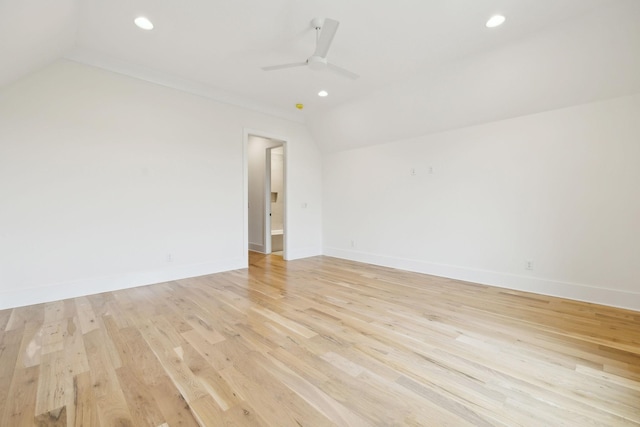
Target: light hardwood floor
[[318, 342]]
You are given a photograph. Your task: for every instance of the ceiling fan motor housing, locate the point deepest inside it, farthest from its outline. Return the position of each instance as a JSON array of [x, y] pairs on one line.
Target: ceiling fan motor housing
[[317, 23], [317, 63]]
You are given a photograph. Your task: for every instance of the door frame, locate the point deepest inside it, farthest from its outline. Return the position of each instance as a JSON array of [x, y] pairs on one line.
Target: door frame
[[247, 132]]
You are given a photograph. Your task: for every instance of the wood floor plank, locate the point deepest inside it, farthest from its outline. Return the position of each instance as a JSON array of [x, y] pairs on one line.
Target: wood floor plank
[[170, 355], [20, 406], [10, 342], [54, 418], [217, 388], [54, 311], [136, 353], [172, 403], [74, 348], [83, 410], [142, 405], [21, 315], [53, 336], [206, 411], [5, 384], [86, 316], [272, 404], [319, 341], [332, 409], [242, 415], [110, 401], [55, 384], [5, 315]]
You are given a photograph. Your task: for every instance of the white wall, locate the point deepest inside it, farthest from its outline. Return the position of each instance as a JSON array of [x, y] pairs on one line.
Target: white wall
[[256, 155], [559, 188], [103, 176]]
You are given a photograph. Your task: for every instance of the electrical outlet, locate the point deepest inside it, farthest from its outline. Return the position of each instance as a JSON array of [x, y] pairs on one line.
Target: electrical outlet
[[528, 265], [412, 172], [430, 169], [353, 243], [169, 257]]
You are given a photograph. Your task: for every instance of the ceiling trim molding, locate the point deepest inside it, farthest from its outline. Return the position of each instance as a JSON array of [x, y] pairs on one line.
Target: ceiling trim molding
[[94, 59]]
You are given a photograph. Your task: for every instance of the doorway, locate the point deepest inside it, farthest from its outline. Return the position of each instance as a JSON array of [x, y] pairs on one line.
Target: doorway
[[266, 219]]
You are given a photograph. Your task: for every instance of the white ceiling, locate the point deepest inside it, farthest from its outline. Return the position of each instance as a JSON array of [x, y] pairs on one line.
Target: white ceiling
[[425, 65]]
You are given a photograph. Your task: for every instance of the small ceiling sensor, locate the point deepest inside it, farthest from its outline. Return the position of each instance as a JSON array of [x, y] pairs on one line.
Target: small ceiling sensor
[[495, 21], [323, 93], [143, 23]]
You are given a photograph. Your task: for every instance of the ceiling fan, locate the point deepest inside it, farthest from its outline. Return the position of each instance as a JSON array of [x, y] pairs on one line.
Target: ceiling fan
[[325, 31]]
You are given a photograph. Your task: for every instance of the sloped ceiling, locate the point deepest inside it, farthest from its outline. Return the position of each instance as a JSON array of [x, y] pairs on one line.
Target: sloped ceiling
[[33, 33], [425, 65]]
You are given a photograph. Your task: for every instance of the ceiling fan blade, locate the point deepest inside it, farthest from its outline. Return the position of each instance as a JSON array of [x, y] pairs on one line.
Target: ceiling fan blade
[[283, 66], [328, 31], [342, 71]]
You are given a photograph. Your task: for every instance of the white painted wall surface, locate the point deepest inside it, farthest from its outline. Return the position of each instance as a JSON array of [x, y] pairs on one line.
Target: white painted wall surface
[[560, 188], [103, 176]]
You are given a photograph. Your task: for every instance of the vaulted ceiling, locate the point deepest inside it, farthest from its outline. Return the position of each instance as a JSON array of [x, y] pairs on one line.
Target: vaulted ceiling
[[424, 65]]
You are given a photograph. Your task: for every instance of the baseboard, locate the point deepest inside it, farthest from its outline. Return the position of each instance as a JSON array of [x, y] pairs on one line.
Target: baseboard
[[574, 291], [77, 288], [305, 252], [256, 247]]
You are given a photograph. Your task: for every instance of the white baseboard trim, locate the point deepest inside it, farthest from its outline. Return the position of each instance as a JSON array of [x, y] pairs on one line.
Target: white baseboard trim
[[96, 285], [306, 252], [574, 291], [255, 247]]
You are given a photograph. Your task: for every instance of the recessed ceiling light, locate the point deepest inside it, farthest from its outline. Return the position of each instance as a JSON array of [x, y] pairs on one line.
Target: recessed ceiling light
[[323, 93], [495, 21], [143, 23]]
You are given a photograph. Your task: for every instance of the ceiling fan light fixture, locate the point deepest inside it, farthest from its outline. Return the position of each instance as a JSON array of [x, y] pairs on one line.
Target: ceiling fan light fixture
[[495, 21], [144, 23], [323, 93]]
